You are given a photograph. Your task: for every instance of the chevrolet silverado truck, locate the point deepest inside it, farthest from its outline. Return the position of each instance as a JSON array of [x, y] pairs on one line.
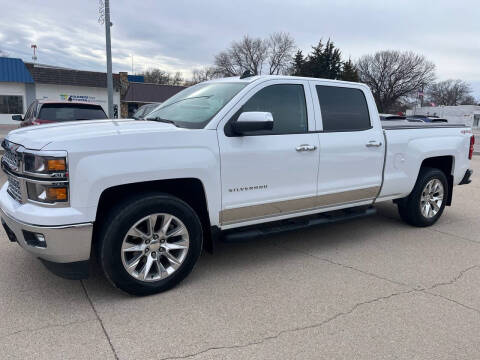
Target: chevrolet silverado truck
[[227, 158]]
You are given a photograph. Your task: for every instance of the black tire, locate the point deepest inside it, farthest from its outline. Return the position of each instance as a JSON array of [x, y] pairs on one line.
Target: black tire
[[118, 222], [409, 208]]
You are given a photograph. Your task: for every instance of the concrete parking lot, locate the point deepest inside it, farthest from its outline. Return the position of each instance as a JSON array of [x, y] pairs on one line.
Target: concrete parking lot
[[372, 288]]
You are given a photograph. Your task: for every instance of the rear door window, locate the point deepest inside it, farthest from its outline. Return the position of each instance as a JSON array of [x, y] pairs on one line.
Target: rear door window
[[343, 109], [71, 112]]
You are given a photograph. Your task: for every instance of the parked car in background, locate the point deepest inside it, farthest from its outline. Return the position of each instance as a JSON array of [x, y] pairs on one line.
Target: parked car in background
[[144, 110], [436, 120], [386, 117], [390, 117], [45, 112], [414, 120], [426, 118]]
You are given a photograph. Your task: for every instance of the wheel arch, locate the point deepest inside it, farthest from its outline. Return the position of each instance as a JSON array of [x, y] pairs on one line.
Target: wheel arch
[[190, 190], [447, 165]]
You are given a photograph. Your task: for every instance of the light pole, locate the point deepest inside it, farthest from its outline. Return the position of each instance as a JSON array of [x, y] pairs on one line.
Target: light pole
[[108, 24]]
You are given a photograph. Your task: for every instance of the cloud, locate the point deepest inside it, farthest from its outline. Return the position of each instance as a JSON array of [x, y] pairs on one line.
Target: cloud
[[184, 34]]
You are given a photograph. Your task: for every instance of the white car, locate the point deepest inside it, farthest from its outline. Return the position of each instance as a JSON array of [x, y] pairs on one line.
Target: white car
[[235, 157]]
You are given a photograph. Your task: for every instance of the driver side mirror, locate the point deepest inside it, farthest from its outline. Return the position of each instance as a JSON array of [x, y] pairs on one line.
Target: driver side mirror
[[17, 117], [252, 121]]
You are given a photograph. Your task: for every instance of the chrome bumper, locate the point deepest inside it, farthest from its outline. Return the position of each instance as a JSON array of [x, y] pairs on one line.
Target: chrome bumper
[[63, 244]]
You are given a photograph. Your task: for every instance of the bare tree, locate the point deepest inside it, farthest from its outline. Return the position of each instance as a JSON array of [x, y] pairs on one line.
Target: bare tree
[[225, 65], [156, 76], [393, 75], [281, 47], [162, 77], [469, 100], [203, 74], [177, 79], [251, 54], [248, 54], [450, 92]]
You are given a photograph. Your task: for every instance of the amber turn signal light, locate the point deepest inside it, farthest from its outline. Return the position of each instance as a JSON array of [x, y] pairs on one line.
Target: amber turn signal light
[[56, 165], [57, 194]]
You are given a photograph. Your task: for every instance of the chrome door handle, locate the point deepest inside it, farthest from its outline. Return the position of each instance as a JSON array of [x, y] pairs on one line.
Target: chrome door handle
[[373, 143], [306, 147]]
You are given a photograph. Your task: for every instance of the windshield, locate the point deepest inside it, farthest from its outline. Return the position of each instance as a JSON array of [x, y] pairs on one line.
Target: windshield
[[144, 110], [195, 106]]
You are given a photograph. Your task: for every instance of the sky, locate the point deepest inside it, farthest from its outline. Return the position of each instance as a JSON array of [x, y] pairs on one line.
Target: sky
[[183, 35]]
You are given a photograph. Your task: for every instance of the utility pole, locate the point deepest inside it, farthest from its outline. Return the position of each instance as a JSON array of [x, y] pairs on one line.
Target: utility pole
[[34, 57], [108, 24]]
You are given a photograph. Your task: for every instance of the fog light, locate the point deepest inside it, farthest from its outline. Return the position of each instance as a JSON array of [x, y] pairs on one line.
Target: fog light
[[34, 239], [40, 237]]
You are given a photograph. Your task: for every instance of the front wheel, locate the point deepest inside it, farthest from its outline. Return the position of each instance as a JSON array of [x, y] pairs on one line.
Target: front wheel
[[425, 204], [150, 244]]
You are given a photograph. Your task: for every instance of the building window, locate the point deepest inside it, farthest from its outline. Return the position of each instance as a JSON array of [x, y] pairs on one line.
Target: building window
[[11, 104]]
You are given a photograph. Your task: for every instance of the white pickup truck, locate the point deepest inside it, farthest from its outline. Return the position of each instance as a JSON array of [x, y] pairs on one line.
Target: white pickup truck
[[229, 158]]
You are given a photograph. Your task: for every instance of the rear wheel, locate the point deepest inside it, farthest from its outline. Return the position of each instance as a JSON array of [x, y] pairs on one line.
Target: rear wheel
[[150, 244], [425, 204]]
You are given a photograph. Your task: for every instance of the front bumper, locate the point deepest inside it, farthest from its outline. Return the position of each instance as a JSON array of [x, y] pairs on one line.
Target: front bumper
[[65, 244]]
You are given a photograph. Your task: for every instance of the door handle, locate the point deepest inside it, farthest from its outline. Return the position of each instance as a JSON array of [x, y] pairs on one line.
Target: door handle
[[373, 143], [306, 147]]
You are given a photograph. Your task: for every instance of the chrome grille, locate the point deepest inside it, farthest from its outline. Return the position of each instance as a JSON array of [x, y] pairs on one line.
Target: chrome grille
[[10, 158], [14, 188]]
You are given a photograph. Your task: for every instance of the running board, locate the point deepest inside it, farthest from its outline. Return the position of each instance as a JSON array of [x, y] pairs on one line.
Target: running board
[[277, 227]]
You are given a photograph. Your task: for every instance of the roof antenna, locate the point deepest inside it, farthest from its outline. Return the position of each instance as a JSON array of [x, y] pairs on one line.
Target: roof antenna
[[246, 74]]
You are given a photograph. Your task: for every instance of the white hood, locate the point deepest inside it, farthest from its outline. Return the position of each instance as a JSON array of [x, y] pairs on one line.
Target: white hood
[[36, 137]]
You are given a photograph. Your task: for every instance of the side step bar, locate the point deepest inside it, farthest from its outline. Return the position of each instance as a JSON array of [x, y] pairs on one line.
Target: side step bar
[[277, 227]]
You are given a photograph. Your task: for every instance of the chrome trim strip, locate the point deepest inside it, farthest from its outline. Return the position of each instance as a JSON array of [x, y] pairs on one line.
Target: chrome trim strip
[[262, 211]]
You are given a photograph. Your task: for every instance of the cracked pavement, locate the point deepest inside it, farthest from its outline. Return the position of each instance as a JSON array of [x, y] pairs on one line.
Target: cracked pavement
[[371, 288]]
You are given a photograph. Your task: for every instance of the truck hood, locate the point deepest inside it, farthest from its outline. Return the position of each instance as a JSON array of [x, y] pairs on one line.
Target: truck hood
[[37, 137]]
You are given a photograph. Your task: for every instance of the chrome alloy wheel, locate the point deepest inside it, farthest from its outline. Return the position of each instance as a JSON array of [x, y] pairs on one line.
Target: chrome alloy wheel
[[155, 247], [432, 198]]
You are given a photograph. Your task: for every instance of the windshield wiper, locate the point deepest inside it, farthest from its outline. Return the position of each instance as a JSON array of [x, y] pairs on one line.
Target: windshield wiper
[[159, 119]]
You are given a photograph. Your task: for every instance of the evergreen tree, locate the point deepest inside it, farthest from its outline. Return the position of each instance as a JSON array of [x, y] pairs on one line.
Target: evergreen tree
[[349, 72], [324, 61], [314, 64], [332, 60], [298, 65]]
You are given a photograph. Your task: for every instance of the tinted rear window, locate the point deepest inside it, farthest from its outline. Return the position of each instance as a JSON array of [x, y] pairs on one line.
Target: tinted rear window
[[71, 112], [343, 109]]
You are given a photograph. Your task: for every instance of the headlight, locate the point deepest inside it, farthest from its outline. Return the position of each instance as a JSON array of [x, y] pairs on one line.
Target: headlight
[[47, 193], [44, 164], [47, 177]]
